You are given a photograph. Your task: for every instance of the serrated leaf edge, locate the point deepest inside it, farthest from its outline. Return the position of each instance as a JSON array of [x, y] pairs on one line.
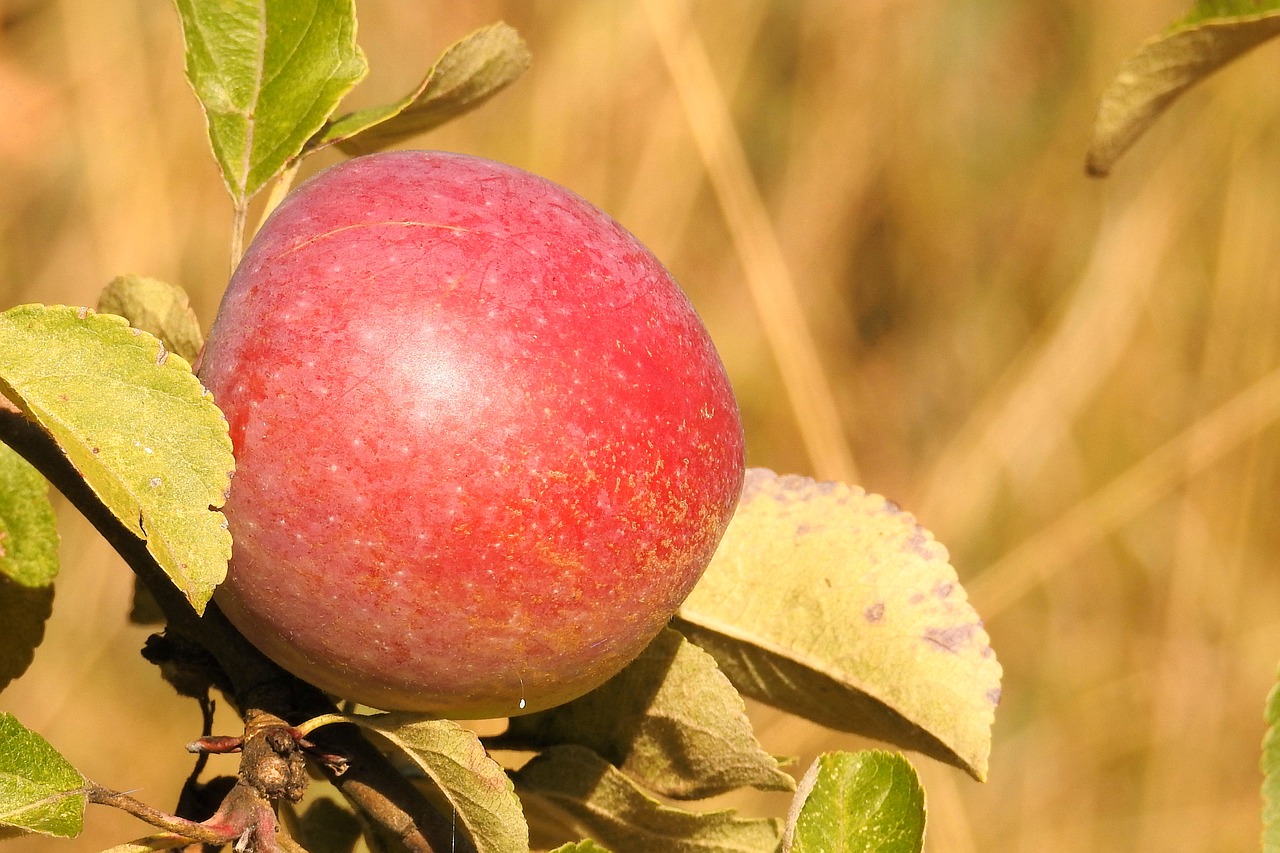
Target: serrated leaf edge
[[198, 595]]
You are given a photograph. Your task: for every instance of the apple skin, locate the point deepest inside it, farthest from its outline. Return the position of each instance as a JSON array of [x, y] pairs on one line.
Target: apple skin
[[484, 445]]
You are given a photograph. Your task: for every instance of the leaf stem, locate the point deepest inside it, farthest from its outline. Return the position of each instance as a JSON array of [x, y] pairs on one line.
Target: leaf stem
[[314, 723], [155, 843], [280, 189], [163, 820], [239, 219]]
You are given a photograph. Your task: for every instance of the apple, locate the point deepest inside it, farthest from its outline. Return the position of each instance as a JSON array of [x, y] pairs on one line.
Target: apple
[[484, 445]]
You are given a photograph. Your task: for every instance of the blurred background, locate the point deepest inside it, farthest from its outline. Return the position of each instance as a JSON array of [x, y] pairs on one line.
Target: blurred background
[[880, 210]]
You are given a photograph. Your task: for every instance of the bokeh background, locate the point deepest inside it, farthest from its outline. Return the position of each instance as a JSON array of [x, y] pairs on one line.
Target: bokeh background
[[880, 210]]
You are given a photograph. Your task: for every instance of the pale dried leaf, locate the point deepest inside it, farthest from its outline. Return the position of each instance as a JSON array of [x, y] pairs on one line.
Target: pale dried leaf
[[670, 720], [157, 307], [468, 73], [476, 786], [583, 791], [835, 605], [1150, 80]]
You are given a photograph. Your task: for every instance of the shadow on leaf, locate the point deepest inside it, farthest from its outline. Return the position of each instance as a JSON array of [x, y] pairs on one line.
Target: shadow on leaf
[[23, 613]]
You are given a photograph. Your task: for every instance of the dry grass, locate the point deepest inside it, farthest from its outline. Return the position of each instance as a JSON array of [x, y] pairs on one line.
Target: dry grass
[[880, 210]]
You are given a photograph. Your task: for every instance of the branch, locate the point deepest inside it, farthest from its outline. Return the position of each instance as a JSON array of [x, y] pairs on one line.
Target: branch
[[256, 683], [179, 826]]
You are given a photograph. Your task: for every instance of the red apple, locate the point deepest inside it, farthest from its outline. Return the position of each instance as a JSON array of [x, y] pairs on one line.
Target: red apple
[[484, 446]]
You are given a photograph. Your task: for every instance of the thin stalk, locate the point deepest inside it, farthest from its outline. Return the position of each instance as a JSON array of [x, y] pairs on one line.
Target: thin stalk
[[238, 221], [161, 820]]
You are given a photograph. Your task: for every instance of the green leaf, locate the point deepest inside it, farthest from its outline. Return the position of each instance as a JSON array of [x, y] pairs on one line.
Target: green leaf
[[1205, 10], [580, 847], [28, 562], [474, 784], [28, 526], [39, 789], [856, 803], [1271, 775], [468, 73], [157, 307], [1149, 81], [24, 610], [835, 605], [671, 720], [582, 790], [152, 844], [269, 74], [136, 424], [163, 310]]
